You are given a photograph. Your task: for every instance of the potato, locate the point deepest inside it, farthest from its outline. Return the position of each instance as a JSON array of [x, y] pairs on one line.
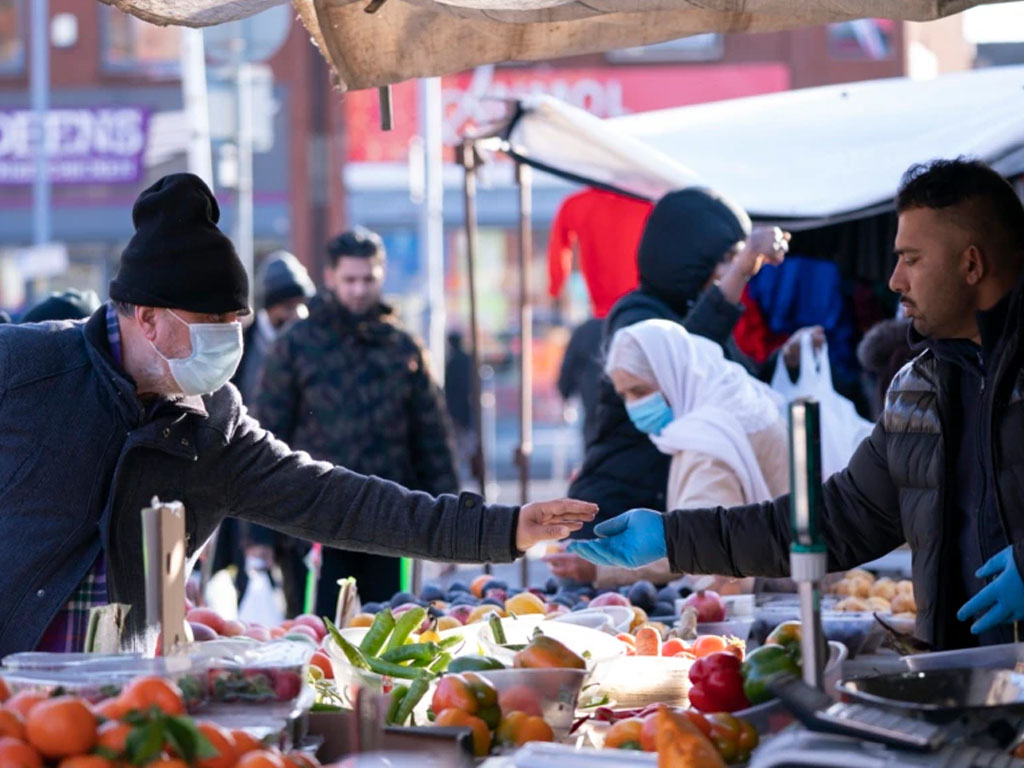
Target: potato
[[904, 603], [879, 604], [852, 604], [884, 588], [905, 585], [861, 574]]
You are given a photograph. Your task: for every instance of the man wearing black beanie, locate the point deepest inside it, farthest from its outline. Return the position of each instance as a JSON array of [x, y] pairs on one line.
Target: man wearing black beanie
[[97, 418]]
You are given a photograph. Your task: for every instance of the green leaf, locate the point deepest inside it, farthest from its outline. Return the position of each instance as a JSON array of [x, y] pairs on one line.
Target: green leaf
[[187, 740], [144, 743]]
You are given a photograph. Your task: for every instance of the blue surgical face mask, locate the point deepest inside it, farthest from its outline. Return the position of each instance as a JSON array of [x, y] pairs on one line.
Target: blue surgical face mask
[[650, 414], [216, 352]]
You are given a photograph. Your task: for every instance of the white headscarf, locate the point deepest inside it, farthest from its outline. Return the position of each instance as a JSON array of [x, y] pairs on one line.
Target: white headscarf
[[716, 403]]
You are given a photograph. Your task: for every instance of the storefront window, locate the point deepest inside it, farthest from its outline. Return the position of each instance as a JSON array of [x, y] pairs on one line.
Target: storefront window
[[863, 39], [134, 47], [12, 45]]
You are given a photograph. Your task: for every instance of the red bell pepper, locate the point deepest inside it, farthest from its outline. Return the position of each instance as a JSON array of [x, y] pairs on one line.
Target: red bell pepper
[[717, 685]]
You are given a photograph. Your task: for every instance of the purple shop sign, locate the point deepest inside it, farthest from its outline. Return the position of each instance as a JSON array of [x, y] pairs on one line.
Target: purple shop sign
[[85, 145]]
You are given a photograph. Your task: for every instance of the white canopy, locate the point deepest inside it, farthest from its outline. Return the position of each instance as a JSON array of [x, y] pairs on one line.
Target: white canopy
[[816, 153], [376, 42]]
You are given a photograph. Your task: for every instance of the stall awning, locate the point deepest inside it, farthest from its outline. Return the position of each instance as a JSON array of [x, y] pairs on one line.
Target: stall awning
[[816, 155], [405, 39]]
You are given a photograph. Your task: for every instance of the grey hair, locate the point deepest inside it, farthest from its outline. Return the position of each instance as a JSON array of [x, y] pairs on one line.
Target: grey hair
[[625, 353]]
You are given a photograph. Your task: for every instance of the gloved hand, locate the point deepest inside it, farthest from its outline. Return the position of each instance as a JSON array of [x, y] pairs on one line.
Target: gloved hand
[[1003, 598], [632, 539]]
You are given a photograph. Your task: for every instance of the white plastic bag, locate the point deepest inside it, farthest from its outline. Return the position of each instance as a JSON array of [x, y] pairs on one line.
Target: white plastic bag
[[842, 428], [261, 604]]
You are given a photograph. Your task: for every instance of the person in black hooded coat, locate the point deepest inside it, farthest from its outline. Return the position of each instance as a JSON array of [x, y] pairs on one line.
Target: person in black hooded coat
[[696, 254]]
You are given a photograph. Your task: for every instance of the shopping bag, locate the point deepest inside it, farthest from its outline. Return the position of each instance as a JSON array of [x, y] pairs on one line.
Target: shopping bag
[[261, 603], [842, 428]]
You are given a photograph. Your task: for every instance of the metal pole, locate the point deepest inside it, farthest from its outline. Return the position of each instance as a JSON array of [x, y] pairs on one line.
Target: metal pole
[[244, 236], [39, 77], [431, 219], [468, 157], [807, 552], [194, 97], [525, 449]]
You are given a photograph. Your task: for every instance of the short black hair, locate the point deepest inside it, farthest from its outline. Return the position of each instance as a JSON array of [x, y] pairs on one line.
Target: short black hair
[[992, 208], [359, 242]]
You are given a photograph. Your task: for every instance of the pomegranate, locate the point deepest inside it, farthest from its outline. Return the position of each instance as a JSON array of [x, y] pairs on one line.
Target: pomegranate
[[609, 598], [707, 604]]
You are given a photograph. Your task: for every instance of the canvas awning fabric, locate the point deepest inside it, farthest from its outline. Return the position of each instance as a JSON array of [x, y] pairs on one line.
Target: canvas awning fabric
[[405, 39]]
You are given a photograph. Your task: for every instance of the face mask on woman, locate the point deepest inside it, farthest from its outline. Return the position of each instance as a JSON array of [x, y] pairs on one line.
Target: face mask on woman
[[650, 414]]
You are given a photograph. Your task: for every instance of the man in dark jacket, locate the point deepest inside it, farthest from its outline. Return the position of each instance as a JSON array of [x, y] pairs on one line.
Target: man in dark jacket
[[350, 386], [581, 372], [944, 468], [696, 255], [99, 416]]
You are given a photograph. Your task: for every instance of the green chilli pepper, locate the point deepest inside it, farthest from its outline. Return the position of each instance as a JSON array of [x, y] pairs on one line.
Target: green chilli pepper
[[497, 630], [382, 667], [354, 655], [398, 694], [373, 641], [416, 692], [404, 627], [441, 663], [412, 652]]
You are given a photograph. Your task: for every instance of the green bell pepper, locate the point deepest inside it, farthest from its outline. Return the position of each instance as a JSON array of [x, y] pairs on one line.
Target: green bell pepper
[[760, 666]]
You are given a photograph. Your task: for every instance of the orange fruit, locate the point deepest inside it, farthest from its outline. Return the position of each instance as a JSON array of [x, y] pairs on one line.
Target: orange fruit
[[111, 709], [112, 735], [145, 692], [481, 733], [86, 761], [61, 727], [625, 734], [11, 724], [705, 645], [245, 742], [534, 729], [222, 741], [304, 760], [23, 702], [167, 762], [5, 692], [477, 587], [15, 753], [260, 758]]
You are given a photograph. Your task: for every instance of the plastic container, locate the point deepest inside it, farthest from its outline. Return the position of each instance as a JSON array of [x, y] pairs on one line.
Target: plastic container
[[32, 660], [591, 644], [852, 629], [554, 691], [636, 681], [738, 627], [610, 619], [241, 672]]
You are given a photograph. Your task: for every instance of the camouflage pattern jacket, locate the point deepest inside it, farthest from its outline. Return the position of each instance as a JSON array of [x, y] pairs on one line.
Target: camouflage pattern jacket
[[357, 392]]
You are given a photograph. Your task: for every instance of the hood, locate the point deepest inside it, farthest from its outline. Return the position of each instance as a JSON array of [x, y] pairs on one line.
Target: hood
[[685, 238]]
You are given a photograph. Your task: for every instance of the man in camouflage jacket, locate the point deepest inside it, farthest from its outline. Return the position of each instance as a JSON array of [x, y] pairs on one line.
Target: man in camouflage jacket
[[350, 386]]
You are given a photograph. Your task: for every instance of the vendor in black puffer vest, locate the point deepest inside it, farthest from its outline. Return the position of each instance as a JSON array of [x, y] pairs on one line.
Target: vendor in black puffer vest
[[695, 257], [943, 469]]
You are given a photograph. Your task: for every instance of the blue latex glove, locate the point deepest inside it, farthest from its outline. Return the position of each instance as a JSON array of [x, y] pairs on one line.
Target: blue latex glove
[[632, 539], [1003, 598]]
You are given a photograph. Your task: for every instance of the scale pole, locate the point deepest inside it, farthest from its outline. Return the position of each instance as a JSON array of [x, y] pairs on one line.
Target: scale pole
[[808, 557]]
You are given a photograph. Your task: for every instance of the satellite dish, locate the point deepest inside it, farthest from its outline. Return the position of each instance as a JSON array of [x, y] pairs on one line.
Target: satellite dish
[[263, 35]]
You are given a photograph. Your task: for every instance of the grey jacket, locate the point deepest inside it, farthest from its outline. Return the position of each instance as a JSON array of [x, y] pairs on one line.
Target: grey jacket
[[81, 455]]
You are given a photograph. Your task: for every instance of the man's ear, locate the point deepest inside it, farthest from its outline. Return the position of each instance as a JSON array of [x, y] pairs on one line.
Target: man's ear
[[973, 265], [145, 317]]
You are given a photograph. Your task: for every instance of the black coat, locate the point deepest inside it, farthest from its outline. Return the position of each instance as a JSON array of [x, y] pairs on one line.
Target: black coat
[[901, 485], [622, 469]]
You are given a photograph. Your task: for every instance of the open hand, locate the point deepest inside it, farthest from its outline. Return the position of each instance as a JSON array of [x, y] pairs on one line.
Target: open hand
[[545, 520], [573, 567]]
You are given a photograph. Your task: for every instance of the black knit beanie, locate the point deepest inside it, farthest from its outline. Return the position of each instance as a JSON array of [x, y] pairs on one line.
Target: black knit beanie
[[285, 278], [686, 236], [178, 258]]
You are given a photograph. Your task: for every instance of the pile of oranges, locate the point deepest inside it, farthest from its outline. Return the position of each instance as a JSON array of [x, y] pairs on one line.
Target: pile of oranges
[[144, 726]]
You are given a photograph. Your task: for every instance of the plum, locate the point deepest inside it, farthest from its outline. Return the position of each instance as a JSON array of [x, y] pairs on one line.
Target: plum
[[313, 622], [496, 594], [401, 598], [581, 606], [457, 586], [643, 595], [661, 608], [496, 584], [551, 585], [372, 607], [464, 598], [668, 595], [201, 632], [499, 602], [460, 612], [431, 592]]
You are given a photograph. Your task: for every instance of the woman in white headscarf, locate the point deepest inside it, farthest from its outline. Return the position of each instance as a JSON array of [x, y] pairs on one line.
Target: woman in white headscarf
[[722, 427]]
